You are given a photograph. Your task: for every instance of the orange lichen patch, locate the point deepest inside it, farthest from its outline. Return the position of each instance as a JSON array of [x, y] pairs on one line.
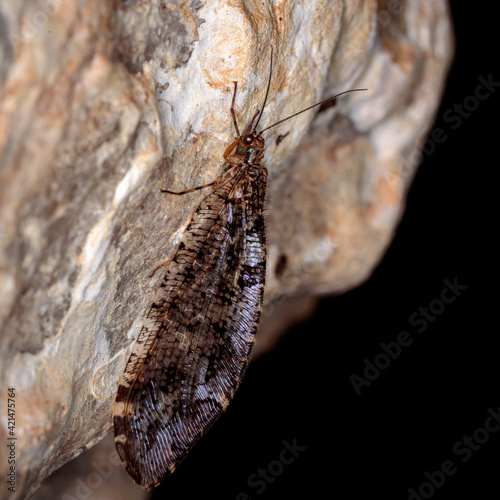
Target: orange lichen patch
[[403, 53], [226, 60], [388, 191]]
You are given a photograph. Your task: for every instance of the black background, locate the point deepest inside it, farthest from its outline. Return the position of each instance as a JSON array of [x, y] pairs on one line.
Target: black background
[[440, 388]]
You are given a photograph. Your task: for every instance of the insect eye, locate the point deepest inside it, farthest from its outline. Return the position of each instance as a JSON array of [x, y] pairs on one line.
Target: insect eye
[[248, 139]]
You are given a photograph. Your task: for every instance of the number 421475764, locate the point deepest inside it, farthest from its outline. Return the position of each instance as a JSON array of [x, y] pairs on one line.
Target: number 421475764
[[11, 411]]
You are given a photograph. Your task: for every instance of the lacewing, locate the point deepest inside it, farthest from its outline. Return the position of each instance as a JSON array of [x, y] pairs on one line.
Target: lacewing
[[196, 341]]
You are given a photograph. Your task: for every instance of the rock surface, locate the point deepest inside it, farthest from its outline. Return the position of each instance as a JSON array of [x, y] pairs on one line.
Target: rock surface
[[103, 103]]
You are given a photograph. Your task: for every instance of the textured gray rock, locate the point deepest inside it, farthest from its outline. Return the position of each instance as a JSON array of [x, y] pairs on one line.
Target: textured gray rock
[[101, 104]]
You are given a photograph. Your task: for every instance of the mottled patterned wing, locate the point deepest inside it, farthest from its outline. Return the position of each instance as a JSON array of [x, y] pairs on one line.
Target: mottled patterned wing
[[195, 344]]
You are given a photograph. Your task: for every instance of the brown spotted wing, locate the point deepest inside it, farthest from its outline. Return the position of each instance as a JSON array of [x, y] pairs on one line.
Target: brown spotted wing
[[196, 341]]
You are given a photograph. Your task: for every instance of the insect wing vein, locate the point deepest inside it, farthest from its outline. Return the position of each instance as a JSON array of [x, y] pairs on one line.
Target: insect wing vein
[[195, 344]]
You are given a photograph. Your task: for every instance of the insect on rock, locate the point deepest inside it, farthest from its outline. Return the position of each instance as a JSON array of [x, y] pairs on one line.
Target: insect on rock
[[194, 347]]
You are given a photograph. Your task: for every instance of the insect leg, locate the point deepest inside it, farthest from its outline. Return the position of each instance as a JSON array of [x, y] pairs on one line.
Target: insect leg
[[150, 275], [232, 110], [230, 148], [179, 193]]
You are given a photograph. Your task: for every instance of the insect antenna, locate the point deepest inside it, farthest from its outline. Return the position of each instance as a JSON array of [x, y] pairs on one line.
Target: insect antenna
[[307, 109], [267, 91]]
